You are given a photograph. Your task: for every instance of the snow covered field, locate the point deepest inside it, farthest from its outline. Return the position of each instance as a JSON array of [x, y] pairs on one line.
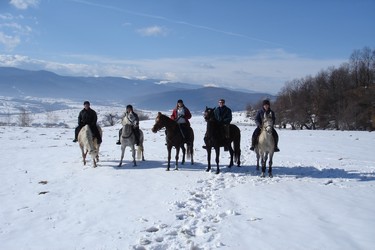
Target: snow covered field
[[321, 196]]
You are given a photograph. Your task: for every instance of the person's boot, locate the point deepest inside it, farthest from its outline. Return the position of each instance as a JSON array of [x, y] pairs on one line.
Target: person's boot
[[118, 142], [276, 149], [75, 140]]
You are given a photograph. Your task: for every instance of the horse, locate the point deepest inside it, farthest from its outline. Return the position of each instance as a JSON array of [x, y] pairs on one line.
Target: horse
[[175, 138], [215, 138], [89, 144], [266, 146], [128, 139]]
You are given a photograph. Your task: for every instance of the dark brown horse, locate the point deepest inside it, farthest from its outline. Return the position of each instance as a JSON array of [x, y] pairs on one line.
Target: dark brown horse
[[215, 138], [175, 138]]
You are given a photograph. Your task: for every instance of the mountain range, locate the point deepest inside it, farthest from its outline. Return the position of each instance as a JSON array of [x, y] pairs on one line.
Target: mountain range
[[151, 94]]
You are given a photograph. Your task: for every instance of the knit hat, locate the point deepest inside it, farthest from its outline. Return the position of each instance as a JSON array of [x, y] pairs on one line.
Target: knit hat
[[266, 102]]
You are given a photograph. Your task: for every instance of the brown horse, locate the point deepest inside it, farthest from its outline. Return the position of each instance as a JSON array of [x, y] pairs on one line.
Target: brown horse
[[175, 138], [215, 138], [89, 144]]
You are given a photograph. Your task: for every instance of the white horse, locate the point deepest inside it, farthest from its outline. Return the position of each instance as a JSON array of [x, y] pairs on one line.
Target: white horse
[[266, 145], [128, 139], [89, 144]]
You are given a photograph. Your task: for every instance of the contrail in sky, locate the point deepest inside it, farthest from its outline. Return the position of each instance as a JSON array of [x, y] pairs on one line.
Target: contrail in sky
[[176, 22]]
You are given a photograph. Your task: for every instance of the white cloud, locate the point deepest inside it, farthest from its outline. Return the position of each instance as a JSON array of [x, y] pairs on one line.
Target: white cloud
[[9, 42], [24, 4], [153, 31], [264, 72]]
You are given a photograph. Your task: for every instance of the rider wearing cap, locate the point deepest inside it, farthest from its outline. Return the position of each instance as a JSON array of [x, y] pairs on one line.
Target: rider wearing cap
[[133, 118], [258, 120], [87, 116]]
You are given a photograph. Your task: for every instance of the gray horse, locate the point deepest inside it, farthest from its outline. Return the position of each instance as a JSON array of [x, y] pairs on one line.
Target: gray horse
[[128, 139], [89, 144], [266, 145]]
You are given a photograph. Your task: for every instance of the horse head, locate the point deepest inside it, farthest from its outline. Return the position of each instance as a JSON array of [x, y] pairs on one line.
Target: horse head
[[158, 123], [268, 122], [208, 114]]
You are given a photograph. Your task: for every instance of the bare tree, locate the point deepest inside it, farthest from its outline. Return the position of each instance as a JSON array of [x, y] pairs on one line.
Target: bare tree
[[24, 118]]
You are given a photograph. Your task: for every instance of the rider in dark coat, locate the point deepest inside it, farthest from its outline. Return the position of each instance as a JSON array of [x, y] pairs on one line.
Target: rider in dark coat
[[87, 116], [223, 115], [258, 120], [134, 119]]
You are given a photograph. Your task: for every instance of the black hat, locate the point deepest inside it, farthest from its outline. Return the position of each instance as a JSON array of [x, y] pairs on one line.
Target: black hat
[[86, 102], [266, 102], [129, 107], [180, 101]]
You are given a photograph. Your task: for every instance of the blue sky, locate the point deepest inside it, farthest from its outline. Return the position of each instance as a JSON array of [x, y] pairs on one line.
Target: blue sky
[[257, 45]]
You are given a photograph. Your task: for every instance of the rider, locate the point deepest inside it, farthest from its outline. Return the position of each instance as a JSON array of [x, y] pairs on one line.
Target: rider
[[181, 114], [223, 115], [87, 116], [258, 120], [133, 118]]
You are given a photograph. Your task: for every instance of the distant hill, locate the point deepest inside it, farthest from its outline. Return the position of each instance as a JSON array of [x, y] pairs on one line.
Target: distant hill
[[144, 94]]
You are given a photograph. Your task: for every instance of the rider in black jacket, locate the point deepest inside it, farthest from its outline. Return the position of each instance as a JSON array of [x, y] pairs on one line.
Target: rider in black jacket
[[88, 116]]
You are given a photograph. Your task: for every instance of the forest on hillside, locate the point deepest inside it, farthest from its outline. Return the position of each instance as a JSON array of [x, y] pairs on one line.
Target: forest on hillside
[[340, 98]]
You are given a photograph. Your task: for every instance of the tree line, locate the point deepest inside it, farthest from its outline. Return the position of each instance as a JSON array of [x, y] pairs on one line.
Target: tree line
[[336, 98]]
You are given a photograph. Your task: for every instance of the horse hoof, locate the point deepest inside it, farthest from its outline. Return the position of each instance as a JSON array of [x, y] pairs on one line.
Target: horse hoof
[[270, 175], [262, 175]]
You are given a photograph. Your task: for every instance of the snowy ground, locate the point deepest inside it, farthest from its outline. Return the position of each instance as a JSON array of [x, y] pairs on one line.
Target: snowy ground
[[321, 196]]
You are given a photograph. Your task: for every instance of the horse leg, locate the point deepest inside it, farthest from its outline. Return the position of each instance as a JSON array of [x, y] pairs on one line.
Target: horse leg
[[133, 155], [231, 156], [122, 154], [176, 158], [208, 159], [264, 162], [84, 154], [190, 152], [183, 154], [217, 150], [270, 166], [169, 148]]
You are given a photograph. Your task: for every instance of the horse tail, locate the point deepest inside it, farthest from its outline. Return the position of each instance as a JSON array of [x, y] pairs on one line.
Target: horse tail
[[237, 146], [139, 151], [190, 151]]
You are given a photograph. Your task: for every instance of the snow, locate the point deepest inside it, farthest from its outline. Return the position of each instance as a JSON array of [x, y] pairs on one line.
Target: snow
[[321, 196]]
